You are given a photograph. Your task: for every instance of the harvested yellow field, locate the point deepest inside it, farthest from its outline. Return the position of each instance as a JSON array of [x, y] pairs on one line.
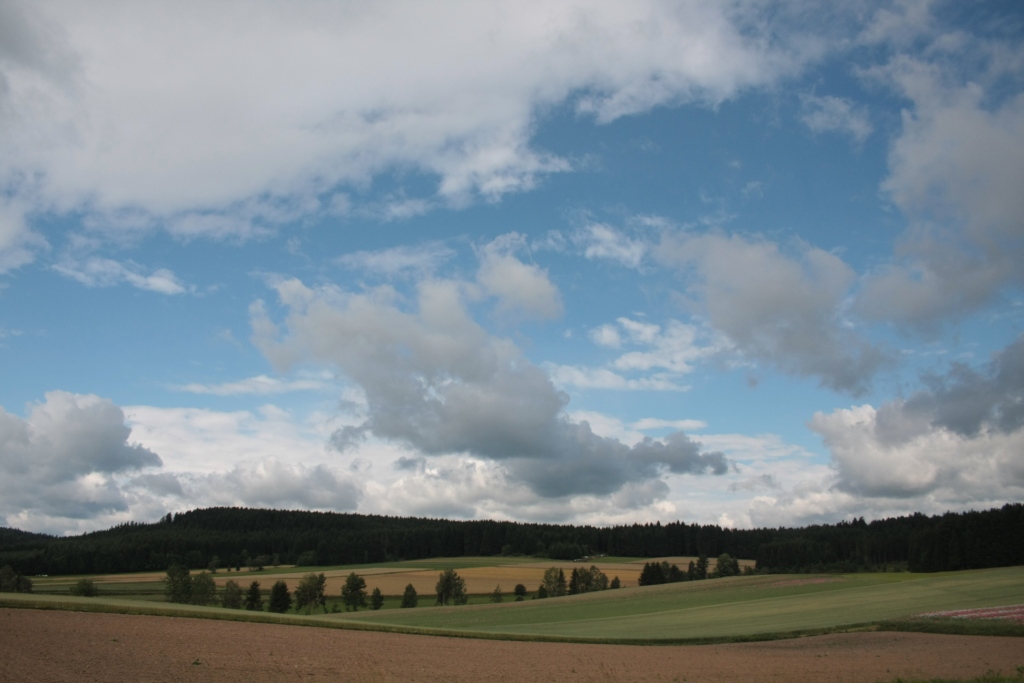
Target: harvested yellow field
[[393, 580]]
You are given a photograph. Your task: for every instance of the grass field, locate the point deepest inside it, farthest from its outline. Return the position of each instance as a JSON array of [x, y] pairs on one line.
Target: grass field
[[735, 608], [732, 607]]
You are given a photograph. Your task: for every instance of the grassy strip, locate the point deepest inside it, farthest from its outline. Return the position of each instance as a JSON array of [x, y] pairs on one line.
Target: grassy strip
[[960, 627]]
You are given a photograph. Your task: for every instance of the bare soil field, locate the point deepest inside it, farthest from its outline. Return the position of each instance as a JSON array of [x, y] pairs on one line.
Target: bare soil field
[[52, 646]]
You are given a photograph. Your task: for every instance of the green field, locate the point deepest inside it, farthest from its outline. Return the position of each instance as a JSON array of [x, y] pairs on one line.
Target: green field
[[724, 608], [735, 608]]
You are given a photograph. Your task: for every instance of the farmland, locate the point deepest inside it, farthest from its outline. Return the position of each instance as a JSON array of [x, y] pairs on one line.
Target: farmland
[[726, 608], [110, 647], [734, 628], [761, 606], [482, 574]]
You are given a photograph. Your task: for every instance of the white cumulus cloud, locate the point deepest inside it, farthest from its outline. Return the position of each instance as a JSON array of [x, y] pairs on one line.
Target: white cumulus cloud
[[261, 111]]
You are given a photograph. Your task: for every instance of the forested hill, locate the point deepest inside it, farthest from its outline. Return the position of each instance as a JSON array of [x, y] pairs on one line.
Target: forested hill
[[236, 536], [10, 537]]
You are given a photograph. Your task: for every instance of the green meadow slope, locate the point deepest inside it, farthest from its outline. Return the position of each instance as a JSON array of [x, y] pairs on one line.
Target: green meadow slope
[[723, 608]]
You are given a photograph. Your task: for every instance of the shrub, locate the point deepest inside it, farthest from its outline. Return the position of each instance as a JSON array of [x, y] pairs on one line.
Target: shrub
[[520, 592], [496, 596], [84, 588], [376, 599]]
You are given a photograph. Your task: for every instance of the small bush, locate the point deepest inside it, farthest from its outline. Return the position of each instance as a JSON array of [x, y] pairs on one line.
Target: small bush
[[84, 588]]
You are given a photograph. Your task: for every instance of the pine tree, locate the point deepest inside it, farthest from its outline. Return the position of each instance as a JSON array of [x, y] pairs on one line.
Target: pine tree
[[409, 598], [652, 574], [280, 598], [702, 566], [574, 582], [254, 597]]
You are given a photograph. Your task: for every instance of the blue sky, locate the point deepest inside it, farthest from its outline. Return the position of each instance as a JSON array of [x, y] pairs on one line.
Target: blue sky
[[745, 263]]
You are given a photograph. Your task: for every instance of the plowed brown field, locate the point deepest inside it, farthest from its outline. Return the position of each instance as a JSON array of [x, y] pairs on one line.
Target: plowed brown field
[[51, 646]]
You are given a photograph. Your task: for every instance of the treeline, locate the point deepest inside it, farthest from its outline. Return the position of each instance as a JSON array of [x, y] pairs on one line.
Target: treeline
[[234, 536]]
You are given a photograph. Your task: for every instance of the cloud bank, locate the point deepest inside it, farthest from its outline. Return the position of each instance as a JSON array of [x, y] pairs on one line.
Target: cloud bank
[[436, 382]]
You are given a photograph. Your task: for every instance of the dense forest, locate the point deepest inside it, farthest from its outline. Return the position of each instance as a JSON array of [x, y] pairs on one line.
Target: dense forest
[[239, 536]]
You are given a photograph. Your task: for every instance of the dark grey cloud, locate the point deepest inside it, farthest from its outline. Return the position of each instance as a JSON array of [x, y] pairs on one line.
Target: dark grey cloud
[[582, 462], [62, 459], [409, 464], [435, 381], [680, 455], [965, 400]]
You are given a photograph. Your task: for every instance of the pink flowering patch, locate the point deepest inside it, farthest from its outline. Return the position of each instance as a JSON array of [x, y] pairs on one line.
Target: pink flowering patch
[[1011, 612]]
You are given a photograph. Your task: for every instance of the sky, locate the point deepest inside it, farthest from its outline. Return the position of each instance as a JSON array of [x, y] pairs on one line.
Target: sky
[[746, 263]]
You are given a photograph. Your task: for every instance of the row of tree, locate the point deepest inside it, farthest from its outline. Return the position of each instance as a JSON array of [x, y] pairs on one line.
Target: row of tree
[[237, 537], [655, 573], [181, 586]]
